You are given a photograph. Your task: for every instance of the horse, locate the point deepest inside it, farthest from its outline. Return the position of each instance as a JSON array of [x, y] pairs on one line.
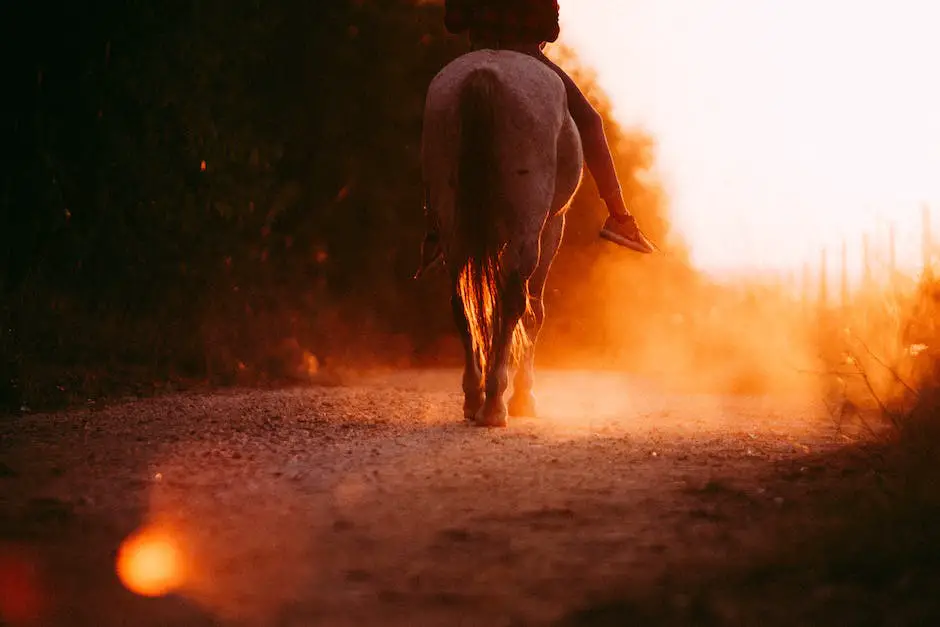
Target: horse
[[501, 161]]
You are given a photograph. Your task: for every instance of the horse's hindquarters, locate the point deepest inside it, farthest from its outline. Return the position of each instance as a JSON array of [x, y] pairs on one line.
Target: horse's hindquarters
[[500, 155]]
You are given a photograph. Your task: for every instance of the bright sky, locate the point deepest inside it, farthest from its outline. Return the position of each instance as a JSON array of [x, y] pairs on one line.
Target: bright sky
[[782, 124]]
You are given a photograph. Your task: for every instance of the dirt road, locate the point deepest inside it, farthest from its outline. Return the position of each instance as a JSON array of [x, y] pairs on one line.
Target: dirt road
[[372, 504]]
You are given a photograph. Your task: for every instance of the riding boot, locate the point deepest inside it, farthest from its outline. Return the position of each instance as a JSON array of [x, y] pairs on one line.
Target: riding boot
[[621, 227]]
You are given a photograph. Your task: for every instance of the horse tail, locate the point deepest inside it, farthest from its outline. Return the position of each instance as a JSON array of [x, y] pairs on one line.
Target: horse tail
[[481, 214]]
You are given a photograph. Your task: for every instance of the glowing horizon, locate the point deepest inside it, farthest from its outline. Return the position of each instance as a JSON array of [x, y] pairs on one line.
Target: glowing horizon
[[781, 127]]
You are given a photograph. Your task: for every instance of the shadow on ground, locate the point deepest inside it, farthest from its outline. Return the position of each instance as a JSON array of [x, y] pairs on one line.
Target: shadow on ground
[[855, 543]]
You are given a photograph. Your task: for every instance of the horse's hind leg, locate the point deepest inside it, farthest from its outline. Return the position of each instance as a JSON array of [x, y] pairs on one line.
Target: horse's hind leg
[[522, 401], [513, 305], [519, 263], [472, 377]]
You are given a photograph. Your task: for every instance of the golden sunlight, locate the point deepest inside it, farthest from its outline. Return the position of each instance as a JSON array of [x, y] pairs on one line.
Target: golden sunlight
[[783, 127], [149, 563]]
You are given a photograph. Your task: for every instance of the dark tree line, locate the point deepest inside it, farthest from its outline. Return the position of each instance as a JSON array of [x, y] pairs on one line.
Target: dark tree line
[[195, 189]]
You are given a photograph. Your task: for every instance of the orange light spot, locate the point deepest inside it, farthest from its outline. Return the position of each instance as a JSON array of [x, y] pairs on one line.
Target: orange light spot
[[202, 166], [149, 563]]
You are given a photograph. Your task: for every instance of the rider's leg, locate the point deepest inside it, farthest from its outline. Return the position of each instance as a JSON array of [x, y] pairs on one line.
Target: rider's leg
[[620, 227]]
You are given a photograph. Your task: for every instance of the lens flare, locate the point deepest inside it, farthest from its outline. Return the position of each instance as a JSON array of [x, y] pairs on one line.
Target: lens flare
[[149, 563]]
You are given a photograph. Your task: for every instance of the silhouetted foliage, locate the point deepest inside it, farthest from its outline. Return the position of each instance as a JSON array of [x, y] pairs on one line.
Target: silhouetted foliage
[[198, 190]]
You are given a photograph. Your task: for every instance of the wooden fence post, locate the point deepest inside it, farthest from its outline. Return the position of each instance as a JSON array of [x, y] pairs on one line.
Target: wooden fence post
[[892, 255], [844, 278], [806, 287], [866, 265], [926, 241], [823, 281]]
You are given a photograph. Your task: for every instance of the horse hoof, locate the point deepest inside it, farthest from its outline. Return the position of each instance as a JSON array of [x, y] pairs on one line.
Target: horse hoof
[[491, 418], [471, 410], [522, 406]]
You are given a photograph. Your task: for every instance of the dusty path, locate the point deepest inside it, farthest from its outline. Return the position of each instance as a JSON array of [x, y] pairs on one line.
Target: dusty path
[[371, 504]]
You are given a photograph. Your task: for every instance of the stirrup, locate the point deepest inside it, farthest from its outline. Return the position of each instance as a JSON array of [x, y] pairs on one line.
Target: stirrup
[[428, 265]]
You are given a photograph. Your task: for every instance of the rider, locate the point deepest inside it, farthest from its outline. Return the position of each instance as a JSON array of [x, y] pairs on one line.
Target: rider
[[525, 26]]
